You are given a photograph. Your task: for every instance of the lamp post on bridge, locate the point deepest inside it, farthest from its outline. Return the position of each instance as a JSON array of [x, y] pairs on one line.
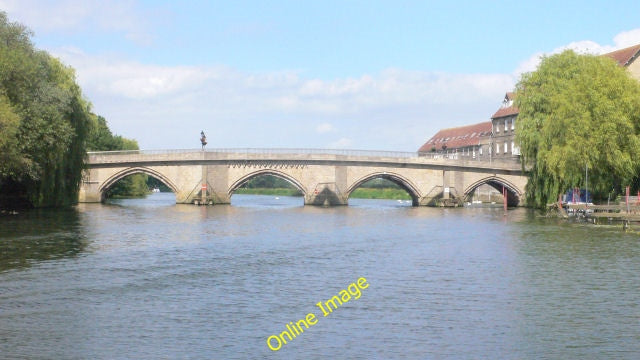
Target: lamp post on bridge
[[203, 139]]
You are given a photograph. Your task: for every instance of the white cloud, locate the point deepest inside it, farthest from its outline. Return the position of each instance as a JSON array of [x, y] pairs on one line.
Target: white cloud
[[392, 110], [81, 16], [324, 128], [627, 38], [167, 106], [620, 41], [395, 109]]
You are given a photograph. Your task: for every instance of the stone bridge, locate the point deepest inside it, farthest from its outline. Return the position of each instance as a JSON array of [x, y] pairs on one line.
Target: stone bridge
[[325, 177]]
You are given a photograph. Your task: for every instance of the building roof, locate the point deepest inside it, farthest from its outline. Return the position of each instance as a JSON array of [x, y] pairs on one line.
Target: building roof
[[505, 111], [507, 108], [625, 56], [458, 137]]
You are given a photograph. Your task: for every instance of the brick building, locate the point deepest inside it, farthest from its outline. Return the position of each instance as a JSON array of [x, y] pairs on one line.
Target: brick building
[[470, 141], [503, 124]]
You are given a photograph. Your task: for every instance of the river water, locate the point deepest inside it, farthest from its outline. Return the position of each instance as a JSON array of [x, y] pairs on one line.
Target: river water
[[149, 279]]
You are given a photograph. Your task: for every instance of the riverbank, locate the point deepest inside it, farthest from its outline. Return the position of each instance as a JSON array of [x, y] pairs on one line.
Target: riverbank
[[383, 193], [12, 204], [360, 193], [269, 191]]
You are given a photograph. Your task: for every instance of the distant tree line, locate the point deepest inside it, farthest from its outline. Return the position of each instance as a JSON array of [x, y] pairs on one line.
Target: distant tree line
[[274, 182], [46, 126], [101, 139], [380, 183], [267, 182]]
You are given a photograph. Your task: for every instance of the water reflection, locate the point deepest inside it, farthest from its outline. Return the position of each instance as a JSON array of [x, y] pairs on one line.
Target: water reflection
[[160, 280], [40, 235]]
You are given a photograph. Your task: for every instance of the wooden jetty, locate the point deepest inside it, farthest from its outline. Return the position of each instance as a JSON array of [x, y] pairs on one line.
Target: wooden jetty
[[601, 214]]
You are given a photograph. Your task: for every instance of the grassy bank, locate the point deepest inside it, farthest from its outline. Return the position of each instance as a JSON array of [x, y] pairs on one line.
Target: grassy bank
[[120, 197], [383, 193], [273, 191], [359, 193]]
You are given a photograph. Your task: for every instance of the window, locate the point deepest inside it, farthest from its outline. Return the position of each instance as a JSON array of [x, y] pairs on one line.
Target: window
[[513, 124], [505, 147], [513, 149], [516, 150], [497, 148], [497, 127], [506, 125], [480, 150]]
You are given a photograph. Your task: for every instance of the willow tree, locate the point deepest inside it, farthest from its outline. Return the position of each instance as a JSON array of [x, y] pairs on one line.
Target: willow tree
[[578, 112], [44, 122]]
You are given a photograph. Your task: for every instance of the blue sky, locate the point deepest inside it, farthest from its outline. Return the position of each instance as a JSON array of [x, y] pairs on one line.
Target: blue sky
[[345, 74]]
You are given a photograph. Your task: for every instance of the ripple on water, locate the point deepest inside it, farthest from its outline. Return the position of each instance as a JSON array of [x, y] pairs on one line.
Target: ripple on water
[[150, 279]]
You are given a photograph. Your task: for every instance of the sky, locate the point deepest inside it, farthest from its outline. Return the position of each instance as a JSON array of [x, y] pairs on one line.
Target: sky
[[373, 75]]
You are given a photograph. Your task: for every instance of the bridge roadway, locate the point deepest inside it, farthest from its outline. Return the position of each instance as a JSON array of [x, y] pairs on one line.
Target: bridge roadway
[[324, 176]]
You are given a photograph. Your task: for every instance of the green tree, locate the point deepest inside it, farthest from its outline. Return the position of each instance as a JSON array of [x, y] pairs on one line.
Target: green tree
[[46, 126], [46, 145], [267, 182], [12, 163], [133, 185], [155, 183], [130, 186], [100, 136], [577, 111], [102, 139]]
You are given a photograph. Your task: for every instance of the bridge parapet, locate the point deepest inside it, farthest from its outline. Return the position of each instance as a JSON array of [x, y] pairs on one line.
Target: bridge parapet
[[311, 155]]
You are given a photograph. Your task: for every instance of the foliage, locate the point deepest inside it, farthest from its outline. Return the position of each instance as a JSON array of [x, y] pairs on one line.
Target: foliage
[[10, 158], [44, 121], [577, 111], [267, 182], [380, 193], [372, 189], [45, 126], [130, 186], [155, 183], [380, 183], [102, 139], [269, 191]]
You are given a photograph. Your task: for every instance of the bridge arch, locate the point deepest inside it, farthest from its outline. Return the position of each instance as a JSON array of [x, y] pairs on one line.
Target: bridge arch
[[514, 194], [279, 174], [406, 184], [109, 182]]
